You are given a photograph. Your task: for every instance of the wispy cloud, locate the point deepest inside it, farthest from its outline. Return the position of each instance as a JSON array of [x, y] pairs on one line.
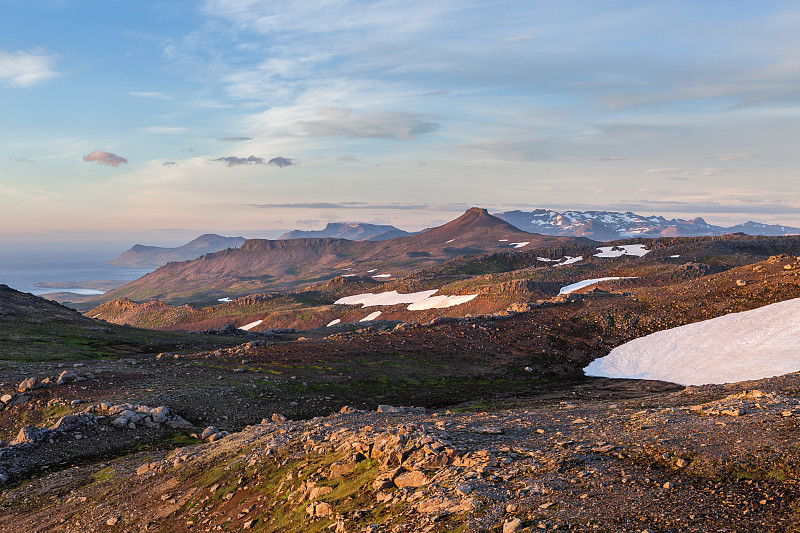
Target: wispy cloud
[[22, 69], [234, 139], [233, 161], [343, 122], [609, 158], [105, 158], [453, 207], [732, 157], [343, 205], [22, 160], [518, 39], [169, 164], [155, 95], [663, 170], [165, 130]]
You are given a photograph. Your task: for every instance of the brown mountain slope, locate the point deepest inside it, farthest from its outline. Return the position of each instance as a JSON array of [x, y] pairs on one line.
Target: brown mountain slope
[[260, 265]]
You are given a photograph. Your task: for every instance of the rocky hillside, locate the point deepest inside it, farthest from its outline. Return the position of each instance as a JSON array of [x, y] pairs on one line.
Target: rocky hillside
[[141, 256], [35, 329]]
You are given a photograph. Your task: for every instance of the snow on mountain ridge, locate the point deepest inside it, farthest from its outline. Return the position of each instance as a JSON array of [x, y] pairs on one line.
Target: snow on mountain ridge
[[612, 225]]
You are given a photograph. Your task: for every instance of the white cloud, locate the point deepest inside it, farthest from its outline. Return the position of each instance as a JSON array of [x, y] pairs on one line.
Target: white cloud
[[165, 130], [156, 95], [337, 121], [22, 69]]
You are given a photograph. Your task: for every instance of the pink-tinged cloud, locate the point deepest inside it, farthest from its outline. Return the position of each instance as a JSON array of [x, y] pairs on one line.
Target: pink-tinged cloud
[[105, 158]]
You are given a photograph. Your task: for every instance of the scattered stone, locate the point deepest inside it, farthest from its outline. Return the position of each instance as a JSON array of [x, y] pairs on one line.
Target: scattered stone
[[414, 479], [681, 463], [741, 282], [512, 526], [278, 418]]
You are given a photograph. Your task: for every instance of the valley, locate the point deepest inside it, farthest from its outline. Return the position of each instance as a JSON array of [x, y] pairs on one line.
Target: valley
[[474, 365]]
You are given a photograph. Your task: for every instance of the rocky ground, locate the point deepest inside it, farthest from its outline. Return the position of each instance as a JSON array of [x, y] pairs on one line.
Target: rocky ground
[[713, 458], [507, 434]]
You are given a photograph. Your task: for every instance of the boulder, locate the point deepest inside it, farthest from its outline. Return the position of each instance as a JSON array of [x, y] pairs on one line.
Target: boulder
[[30, 434], [210, 430], [159, 414], [29, 384], [67, 375], [414, 479]]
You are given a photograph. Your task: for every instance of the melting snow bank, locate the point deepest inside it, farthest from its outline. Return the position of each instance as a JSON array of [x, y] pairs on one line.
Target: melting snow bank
[[418, 300], [371, 316], [637, 250], [566, 260], [251, 325], [755, 344], [585, 283], [441, 302], [333, 322]]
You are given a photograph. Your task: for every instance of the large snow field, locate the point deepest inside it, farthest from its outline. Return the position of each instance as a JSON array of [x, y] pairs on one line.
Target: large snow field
[[585, 283], [637, 250], [757, 344]]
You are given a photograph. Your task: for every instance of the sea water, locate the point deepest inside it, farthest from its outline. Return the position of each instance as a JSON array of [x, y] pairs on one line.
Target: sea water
[[23, 265]]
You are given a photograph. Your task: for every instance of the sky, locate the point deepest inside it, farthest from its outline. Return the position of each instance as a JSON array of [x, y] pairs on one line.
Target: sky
[[164, 119]]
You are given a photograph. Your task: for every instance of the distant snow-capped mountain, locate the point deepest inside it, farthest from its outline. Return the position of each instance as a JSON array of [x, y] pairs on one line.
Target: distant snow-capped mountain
[[612, 225]]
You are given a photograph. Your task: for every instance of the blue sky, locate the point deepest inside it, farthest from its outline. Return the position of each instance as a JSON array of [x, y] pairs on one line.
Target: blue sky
[[169, 118]]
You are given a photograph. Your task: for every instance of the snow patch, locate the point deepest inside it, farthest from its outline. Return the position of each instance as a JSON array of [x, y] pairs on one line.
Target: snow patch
[[385, 298], [503, 240], [520, 244], [382, 276], [757, 344], [585, 283], [418, 300], [371, 316], [251, 325], [348, 275], [441, 302], [674, 256], [568, 260], [373, 270], [224, 300], [637, 250], [333, 322], [448, 242]]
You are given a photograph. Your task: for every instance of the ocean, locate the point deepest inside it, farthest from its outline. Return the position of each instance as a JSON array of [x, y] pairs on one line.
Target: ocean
[[24, 265]]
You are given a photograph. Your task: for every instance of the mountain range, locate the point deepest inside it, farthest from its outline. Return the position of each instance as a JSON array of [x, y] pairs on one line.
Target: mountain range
[[260, 264], [353, 231], [612, 225], [142, 256]]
